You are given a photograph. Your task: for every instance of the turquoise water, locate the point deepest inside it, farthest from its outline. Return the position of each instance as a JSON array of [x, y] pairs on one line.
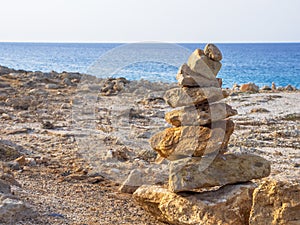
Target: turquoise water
[[242, 63]]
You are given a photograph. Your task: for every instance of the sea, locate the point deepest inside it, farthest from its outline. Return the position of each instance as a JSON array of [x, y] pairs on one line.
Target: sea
[[260, 63]]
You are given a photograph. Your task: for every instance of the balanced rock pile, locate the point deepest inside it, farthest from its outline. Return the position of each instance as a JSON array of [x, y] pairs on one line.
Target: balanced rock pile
[[196, 146]]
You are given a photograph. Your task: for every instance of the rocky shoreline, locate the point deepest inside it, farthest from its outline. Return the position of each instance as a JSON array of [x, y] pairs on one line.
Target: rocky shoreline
[[50, 175]]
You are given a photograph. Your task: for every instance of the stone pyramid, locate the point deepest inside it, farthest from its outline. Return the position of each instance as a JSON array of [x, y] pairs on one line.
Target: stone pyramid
[[196, 146]]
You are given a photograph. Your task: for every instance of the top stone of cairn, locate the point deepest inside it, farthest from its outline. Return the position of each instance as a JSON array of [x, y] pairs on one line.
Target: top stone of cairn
[[213, 52]]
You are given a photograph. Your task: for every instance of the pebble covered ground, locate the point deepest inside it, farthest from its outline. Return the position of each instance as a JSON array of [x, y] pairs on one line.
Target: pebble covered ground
[[64, 183]]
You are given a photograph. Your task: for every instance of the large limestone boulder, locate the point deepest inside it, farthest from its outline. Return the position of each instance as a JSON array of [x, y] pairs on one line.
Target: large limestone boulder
[[230, 204], [203, 65], [276, 202], [188, 78], [213, 52], [185, 96], [190, 174], [200, 115], [250, 87], [186, 141]]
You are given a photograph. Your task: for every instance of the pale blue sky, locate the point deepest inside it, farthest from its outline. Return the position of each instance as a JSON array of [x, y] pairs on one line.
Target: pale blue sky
[[151, 20]]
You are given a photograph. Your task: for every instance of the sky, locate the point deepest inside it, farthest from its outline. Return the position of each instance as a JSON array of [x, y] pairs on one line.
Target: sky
[[150, 20]]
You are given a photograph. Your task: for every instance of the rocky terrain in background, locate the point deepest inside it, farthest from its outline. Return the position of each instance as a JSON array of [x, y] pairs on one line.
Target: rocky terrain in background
[[57, 170]]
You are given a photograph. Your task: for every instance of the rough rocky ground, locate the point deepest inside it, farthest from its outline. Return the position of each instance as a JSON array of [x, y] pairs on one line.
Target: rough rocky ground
[[268, 125], [81, 138]]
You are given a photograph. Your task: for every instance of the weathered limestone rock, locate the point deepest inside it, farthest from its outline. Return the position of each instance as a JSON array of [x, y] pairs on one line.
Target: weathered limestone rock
[[113, 86], [52, 86], [185, 96], [13, 210], [21, 160], [139, 177], [187, 174], [6, 70], [4, 187], [276, 202], [273, 86], [200, 115], [230, 204], [133, 182], [188, 78], [290, 88], [203, 65], [213, 52], [266, 88], [187, 141], [8, 151], [250, 87], [7, 178]]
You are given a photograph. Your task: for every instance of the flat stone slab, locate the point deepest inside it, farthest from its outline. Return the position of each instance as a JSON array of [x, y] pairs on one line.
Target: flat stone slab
[[199, 115], [190, 174], [230, 204], [187, 141], [186, 96], [188, 78], [156, 174]]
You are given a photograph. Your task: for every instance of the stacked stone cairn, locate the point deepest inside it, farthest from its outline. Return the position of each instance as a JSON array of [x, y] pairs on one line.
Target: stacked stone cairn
[[196, 147]]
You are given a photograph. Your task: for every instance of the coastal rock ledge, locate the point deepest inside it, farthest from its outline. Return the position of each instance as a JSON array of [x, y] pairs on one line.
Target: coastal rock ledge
[[231, 204], [276, 202]]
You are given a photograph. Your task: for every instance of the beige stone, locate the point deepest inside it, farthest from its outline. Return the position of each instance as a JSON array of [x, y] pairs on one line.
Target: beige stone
[[273, 86], [266, 88], [250, 87], [133, 181], [21, 160], [188, 78], [14, 210], [8, 178], [230, 204], [213, 52], [185, 96], [186, 141], [4, 187], [200, 115], [276, 202], [194, 173], [200, 63], [149, 176]]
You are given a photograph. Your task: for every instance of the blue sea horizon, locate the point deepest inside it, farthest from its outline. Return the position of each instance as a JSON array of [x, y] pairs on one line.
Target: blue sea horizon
[[260, 63]]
